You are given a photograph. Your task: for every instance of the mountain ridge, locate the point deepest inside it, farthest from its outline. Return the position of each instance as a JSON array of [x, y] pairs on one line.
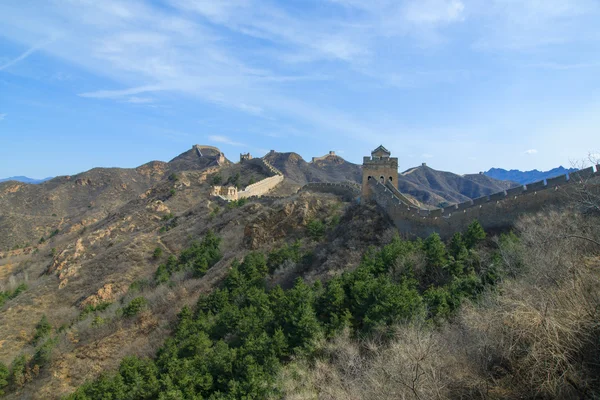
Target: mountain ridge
[[25, 179], [525, 177]]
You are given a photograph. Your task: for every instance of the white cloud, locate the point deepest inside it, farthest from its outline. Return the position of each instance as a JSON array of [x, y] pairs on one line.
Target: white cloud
[[26, 54], [224, 140], [426, 155], [434, 11], [2, 116], [531, 151], [140, 100]]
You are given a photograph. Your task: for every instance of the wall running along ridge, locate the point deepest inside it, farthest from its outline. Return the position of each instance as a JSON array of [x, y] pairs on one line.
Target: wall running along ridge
[[257, 189], [346, 190], [496, 211]]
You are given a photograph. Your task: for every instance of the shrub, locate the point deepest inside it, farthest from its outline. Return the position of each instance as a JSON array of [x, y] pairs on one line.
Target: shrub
[[42, 329], [135, 306], [89, 309], [4, 374], [9, 295], [316, 229], [157, 253], [168, 216], [216, 180], [44, 353]]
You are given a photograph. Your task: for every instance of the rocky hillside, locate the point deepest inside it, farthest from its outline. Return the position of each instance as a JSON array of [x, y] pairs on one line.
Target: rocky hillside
[[330, 169], [29, 212], [83, 277], [439, 187]]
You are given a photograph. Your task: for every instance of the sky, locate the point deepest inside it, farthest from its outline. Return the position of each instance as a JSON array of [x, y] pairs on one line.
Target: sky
[[463, 85]]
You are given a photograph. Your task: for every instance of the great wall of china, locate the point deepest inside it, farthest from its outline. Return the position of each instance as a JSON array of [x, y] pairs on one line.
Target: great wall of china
[[380, 178], [258, 189]]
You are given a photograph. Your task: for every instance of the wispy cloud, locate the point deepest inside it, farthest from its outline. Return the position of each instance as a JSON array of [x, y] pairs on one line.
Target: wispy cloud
[[26, 54], [3, 116], [224, 140], [531, 152], [140, 100]]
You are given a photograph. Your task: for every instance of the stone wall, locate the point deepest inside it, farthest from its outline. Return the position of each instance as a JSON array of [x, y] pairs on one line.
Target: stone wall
[[269, 169], [331, 154], [261, 187], [497, 211], [347, 191]]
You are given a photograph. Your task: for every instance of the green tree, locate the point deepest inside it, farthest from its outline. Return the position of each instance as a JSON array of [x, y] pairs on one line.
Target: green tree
[[316, 229], [474, 234], [42, 329], [216, 180], [157, 253], [4, 373], [135, 306], [435, 251]]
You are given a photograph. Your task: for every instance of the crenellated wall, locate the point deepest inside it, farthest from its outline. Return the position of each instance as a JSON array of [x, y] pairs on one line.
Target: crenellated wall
[[348, 191], [261, 187], [265, 165], [496, 211], [257, 189]]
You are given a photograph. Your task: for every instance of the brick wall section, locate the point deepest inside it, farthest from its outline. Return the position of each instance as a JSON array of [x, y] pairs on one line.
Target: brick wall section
[[261, 187], [345, 190], [496, 211], [271, 170]]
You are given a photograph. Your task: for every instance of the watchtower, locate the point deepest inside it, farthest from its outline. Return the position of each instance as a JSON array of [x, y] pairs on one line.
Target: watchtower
[[245, 157], [379, 166]]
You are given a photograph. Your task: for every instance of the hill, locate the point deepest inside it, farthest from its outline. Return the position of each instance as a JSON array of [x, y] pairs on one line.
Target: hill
[[439, 187], [525, 177], [142, 278]]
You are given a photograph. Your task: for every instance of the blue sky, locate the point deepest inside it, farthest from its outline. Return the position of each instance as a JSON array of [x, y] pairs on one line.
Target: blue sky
[[463, 85]]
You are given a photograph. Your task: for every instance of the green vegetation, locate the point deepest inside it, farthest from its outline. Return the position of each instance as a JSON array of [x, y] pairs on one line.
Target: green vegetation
[[216, 179], [239, 336], [135, 306], [43, 353], [197, 258], [157, 253], [236, 203], [9, 295], [4, 374], [316, 229], [42, 329], [168, 217], [173, 177], [172, 192], [90, 309], [234, 180], [54, 233]]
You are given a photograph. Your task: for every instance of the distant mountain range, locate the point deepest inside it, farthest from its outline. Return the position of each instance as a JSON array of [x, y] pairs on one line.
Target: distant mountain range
[[25, 179], [525, 177]]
